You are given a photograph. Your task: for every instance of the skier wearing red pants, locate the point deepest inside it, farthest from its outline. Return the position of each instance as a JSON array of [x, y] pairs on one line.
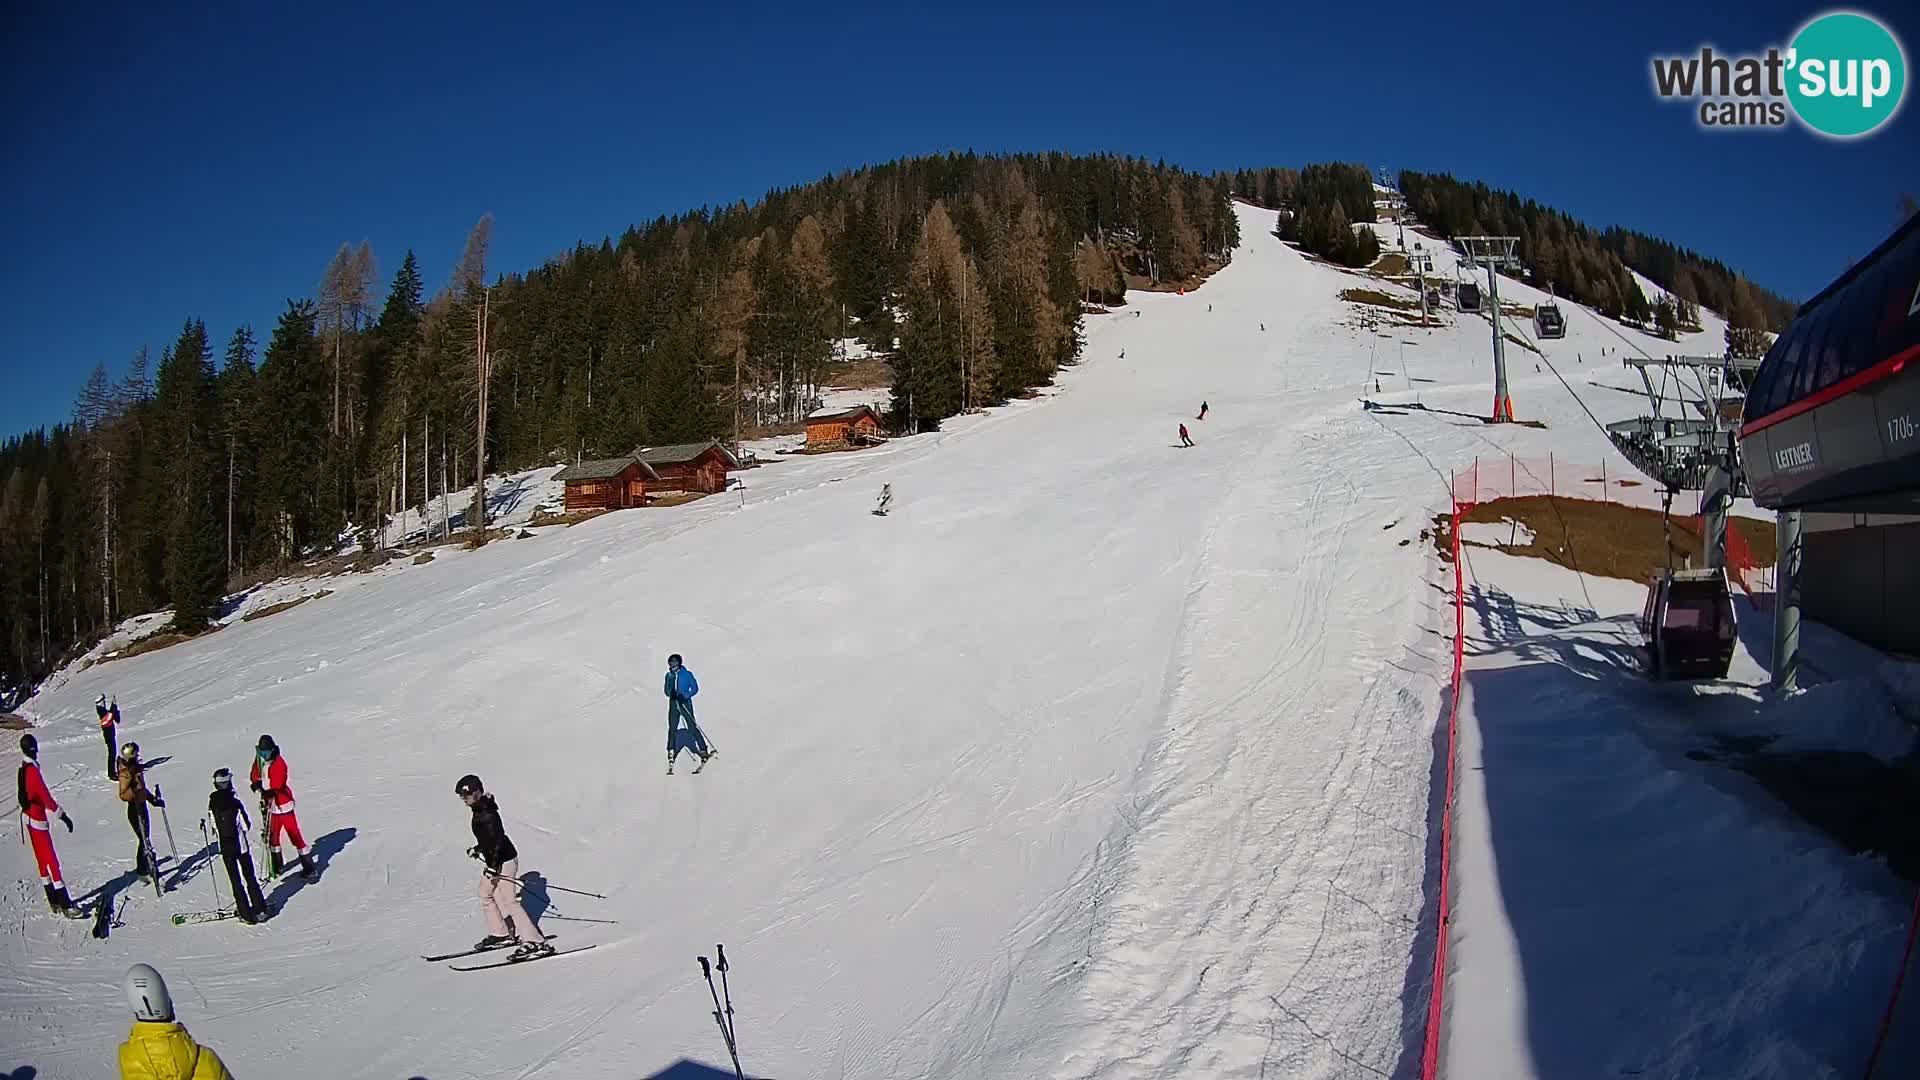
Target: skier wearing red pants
[[38, 802], [278, 796]]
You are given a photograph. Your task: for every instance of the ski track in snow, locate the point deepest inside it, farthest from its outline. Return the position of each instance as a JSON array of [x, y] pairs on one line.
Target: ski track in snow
[[1097, 758]]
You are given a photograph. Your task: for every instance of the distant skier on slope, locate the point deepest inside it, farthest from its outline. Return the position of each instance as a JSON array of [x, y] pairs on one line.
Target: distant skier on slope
[[109, 730], [1203, 411], [278, 796], [499, 884], [1185, 439], [159, 1047], [134, 792], [37, 802], [886, 500], [679, 686], [228, 813]]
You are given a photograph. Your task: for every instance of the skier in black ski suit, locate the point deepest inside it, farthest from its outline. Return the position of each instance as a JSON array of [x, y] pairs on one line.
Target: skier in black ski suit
[[228, 815]]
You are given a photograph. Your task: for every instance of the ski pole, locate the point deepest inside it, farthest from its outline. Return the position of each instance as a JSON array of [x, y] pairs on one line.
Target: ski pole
[[214, 842], [171, 846], [721, 952], [544, 885], [725, 1035]]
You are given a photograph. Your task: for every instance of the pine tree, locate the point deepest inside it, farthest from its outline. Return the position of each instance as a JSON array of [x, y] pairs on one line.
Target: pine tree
[[186, 411], [239, 450]]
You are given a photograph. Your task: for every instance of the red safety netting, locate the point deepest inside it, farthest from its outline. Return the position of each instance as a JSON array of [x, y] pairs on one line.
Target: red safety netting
[[1436, 1003]]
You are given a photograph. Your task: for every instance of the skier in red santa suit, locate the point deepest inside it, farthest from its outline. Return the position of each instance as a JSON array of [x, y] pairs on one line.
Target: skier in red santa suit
[[37, 802], [278, 797]]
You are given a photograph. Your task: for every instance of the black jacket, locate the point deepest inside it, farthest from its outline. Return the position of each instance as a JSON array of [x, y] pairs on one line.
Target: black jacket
[[495, 849], [227, 810]]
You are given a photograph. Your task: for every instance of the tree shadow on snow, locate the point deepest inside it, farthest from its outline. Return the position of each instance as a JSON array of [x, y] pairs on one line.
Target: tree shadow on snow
[[24, 1072], [323, 851]]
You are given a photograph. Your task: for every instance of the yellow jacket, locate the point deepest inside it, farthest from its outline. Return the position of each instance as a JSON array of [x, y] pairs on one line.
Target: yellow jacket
[[167, 1052]]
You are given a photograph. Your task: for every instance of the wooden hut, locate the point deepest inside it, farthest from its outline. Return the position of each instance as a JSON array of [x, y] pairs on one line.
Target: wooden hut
[[608, 484], [828, 430], [701, 466]]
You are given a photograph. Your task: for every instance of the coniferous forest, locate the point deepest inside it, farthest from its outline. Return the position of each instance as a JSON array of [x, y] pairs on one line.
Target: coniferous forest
[[1590, 265], [225, 460]]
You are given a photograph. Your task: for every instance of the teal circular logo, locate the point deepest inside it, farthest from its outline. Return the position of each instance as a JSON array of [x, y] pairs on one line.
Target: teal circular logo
[[1846, 74]]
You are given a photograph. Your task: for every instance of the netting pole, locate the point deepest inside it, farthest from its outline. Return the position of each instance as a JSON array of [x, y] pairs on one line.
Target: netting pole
[[1513, 475], [1553, 485], [1604, 497]]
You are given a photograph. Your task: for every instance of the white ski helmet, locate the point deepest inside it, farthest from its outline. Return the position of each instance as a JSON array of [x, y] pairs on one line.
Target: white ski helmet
[[147, 995], [100, 702]]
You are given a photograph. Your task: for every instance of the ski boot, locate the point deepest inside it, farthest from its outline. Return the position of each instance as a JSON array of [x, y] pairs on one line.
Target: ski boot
[[670, 758], [495, 941], [532, 950], [306, 866]]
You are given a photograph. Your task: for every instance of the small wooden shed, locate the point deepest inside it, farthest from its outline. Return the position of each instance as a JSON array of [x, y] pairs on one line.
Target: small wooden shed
[[701, 466], [608, 484], [827, 430]]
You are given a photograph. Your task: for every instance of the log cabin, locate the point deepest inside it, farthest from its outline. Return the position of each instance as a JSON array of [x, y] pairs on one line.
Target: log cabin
[[701, 466], [608, 484], [829, 430]]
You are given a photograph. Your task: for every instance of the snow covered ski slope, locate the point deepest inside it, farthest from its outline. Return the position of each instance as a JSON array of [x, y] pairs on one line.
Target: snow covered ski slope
[[1095, 757]]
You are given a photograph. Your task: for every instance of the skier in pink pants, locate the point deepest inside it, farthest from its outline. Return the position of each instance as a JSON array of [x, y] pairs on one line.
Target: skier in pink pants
[[499, 889]]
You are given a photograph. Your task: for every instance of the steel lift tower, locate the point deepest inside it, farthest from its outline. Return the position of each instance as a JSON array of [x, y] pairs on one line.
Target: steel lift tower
[[1496, 253]]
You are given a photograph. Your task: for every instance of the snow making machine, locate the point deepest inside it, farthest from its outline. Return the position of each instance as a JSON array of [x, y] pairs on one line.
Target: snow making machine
[[1688, 621], [1548, 322]]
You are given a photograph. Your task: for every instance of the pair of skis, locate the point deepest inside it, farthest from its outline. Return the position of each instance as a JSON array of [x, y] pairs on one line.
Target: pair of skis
[[500, 963]]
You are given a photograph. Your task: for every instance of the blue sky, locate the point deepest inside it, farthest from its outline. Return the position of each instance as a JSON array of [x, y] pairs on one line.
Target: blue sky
[[168, 164]]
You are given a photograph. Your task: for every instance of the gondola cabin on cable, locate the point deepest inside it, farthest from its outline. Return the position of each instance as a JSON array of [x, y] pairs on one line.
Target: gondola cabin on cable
[[1548, 322], [1689, 624], [1467, 297], [607, 484], [701, 466], [834, 429]]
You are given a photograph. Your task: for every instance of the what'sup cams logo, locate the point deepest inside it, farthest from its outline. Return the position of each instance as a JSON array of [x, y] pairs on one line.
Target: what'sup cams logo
[[1844, 75]]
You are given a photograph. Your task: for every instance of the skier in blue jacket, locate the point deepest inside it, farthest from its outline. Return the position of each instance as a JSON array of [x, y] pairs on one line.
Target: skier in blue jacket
[[679, 686]]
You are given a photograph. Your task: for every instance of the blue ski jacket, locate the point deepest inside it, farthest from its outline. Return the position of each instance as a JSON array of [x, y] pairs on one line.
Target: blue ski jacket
[[680, 685]]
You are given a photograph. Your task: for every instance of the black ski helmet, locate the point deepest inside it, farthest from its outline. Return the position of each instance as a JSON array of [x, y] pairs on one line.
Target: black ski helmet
[[266, 747], [29, 745], [674, 660], [467, 785], [223, 778], [130, 751]]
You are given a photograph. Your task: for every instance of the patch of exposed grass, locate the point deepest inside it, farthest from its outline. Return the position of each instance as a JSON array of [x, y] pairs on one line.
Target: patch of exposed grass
[[1376, 298], [10, 722], [568, 518], [164, 640], [275, 609], [869, 373], [676, 498], [1604, 539], [1390, 264]]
